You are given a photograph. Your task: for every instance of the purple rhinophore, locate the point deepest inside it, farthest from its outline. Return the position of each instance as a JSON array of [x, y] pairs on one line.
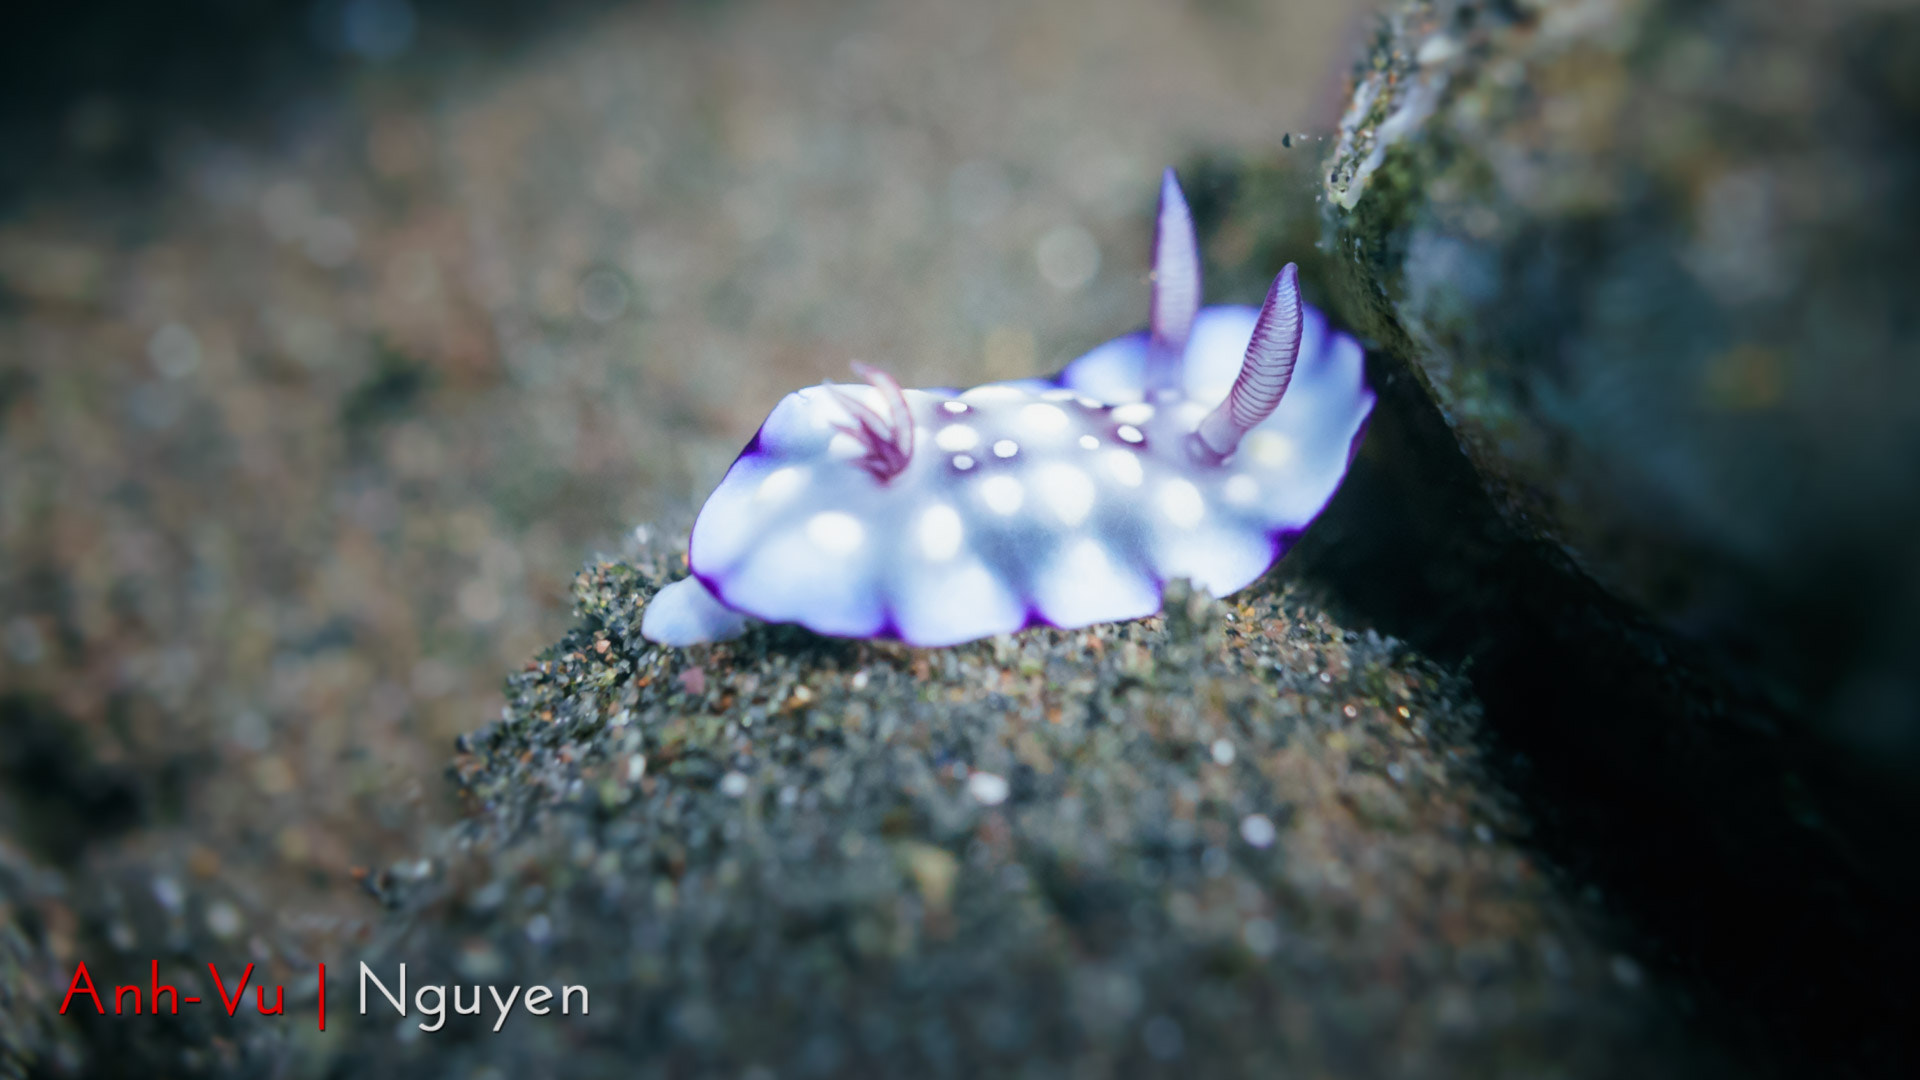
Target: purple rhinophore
[[1264, 373], [1200, 448], [1175, 299]]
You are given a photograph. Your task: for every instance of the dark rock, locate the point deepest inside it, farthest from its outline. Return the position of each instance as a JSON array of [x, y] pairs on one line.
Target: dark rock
[[1654, 261], [1645, 265]]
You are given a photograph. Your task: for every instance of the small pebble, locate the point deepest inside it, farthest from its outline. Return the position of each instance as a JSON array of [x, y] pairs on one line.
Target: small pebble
[[1164, 1039], [988, 789], [539, 929], [1261, 936], [1258, 830], [223, 920]]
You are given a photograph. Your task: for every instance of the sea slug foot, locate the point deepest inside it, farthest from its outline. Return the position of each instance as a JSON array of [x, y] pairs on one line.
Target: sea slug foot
[[685, 613]]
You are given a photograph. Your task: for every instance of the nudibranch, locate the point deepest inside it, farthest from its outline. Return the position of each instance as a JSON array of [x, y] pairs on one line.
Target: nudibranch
[[1198, 448]]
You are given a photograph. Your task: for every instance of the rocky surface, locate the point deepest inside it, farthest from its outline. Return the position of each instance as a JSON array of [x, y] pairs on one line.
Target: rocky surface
[[1238, 839], [1652, 261], [1643, 263], [30, 916]]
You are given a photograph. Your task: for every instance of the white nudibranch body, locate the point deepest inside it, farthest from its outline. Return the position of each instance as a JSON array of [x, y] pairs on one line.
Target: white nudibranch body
[[1197, 449]]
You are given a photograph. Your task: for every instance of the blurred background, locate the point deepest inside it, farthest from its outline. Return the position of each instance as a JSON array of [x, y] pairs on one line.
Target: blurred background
[[335, 336]]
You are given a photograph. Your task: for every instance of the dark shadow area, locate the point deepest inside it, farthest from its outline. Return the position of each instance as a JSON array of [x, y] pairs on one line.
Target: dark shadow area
[[1695, 815], [1733, 850], [58, 795], [89, 91]]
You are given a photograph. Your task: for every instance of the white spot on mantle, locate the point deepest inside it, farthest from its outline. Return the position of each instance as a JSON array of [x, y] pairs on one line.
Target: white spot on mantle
[[940, 532], [1042, 419], [1002, 494], [956, 437], [836, 532], [1124, 467], [1269, 448], [781, 483], [1182, 503], [1066, 491]]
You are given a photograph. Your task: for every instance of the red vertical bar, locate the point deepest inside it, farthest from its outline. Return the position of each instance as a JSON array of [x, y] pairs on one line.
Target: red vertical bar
[[323, 997]]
